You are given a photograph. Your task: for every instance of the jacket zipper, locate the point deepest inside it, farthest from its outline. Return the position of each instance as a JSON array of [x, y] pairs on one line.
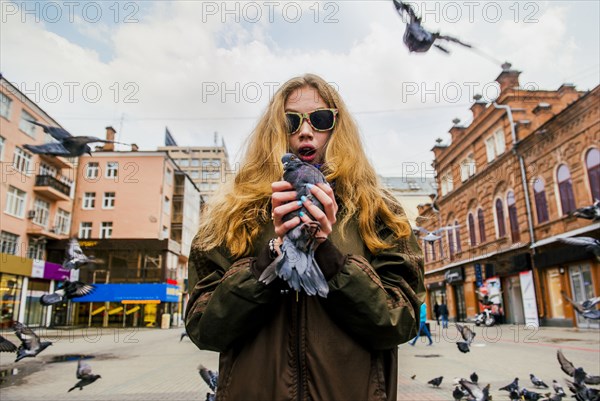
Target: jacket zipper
[[298, 346]]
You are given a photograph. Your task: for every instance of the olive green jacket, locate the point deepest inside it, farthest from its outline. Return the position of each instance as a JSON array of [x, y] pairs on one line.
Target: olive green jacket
[[277, 344]]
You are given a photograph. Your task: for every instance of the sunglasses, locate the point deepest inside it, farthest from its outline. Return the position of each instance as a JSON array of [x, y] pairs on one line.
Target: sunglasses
[[319, 120]]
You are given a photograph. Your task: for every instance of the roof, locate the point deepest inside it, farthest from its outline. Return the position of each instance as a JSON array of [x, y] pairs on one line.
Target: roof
[[411, 185]]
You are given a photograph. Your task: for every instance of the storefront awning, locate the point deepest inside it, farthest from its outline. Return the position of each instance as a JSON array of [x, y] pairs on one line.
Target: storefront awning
[[130, 293]]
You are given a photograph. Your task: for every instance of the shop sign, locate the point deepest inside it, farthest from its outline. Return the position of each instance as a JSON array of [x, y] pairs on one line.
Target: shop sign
[[454, 275]]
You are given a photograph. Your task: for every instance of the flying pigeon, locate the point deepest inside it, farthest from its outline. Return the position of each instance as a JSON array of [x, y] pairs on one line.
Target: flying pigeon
[[588, 212], [475, 391], [591, 245], [296, 264], [184, 334], [67, 145], [558, 388], [435, 382], [577, 373], [537, 381], [514, 386], [85, 376], [468, 335], [30, 342], [6, 345], [211, 378], [417, 38], [587, 308], [69, 290], [74, 257], [583, 392], [430, 236]]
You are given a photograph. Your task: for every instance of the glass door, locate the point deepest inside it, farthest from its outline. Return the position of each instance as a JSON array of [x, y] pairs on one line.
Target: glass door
[[583, 288], [461, 308]]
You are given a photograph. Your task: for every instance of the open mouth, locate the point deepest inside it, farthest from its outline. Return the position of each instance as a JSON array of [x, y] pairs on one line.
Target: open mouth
[[306, 151]]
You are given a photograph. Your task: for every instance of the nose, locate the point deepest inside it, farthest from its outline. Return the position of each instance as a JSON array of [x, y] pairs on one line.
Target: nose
[[305, 130]]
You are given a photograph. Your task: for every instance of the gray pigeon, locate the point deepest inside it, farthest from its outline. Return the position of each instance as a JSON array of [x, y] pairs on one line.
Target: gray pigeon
[[537, 381], [514, 386], [74, 256], [577, 373], [211, 378], [474, 378], [529, 395], [67, 145], [582, 392], [468, 335], [587, 308], [588, 212], [184, 334], [475, 391], [558, 388], [85, 376], [296, 264], [435, 382], [591, 245], [6, 345], [69, 290], [30, 342]]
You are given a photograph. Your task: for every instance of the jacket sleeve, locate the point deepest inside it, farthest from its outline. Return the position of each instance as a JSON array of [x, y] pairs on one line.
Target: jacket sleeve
[[227, 301], [379, 302]]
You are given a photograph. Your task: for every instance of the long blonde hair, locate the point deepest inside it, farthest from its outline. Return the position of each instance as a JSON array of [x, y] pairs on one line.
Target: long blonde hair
[[234, 216]]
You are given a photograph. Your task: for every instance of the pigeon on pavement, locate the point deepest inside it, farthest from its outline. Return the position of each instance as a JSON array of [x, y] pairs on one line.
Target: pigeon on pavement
[[296, 263], [30, 342], [435, 382], [582, 392], [6, 345], [530, 395], [468, 335], [474, 378], [69, 290], [558, 389], [512, 386], [475, 391], [85, 376], [67, 145], [577, 373], [184, 334], [537, 381]]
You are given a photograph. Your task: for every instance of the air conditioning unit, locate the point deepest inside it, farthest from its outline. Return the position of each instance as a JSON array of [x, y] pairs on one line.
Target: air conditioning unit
[[54, 229], [31, 214]]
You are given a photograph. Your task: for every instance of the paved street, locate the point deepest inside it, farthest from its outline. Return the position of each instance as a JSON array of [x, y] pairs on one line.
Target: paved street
[[151, 364]]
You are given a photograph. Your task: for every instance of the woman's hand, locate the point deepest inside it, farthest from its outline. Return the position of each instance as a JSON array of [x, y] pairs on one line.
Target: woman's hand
[[283, 201], [325, 217]]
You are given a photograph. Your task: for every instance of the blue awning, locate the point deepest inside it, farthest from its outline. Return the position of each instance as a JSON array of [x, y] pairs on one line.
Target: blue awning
[[131, 292]]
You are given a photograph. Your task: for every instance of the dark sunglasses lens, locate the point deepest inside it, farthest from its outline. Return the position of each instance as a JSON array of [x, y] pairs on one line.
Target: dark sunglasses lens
[[293, 121], [322, 119]]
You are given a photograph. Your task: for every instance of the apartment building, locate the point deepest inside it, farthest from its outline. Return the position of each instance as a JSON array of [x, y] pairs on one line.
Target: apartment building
[[411, 192], [507, 183], [36, 202]]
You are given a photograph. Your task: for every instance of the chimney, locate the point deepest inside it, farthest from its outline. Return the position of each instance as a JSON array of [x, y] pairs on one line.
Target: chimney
[[478, 107], [110, 136], [457, 130], [508, 78], [134, 147]]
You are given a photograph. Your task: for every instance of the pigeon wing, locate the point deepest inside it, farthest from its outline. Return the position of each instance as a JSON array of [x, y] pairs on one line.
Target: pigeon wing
[[29, 339], [75, 289], [6, 345], [84, 370], [472, 388], [52, 148], [56, 132], [565, 364]]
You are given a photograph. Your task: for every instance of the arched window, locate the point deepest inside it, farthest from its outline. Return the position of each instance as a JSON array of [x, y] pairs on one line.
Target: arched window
[[425, 251], [441, 248], [457, 235], [512, 216], [432, 246], [500, 218], [481, 223], [565, 189], [472, 236], [541, 206], [451, 243], [592, 164]]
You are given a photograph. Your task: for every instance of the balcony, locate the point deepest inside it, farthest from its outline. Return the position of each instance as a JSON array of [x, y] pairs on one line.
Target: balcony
[[35, 230], [51, 188]]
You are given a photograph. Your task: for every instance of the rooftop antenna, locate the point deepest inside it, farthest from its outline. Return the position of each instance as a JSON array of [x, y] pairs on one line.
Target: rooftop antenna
[[216, 135]]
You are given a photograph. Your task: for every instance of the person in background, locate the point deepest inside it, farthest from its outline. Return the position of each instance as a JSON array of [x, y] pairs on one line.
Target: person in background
[[423, 326], [436, 312], [444, 314]]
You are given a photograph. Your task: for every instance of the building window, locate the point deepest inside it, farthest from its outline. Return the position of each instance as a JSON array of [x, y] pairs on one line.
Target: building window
[[432, 246], [36, 248], [472, 234], [25, 125], [425, 251], [541, 206], [440, 244], [565, 189], [112, 169], [495, 145], [92, 170], [592, 164], [47, 170], [89, 200], [481, 222], [42, 212], [500, 218], [5, 103], [62, 221], [467, 168], [195, 163], [1, 148], [169, 176], [15, 202], [451, 243], [183, 162], [106, 229], [512, 216], [108, 200], [9, 243], [85, 230], [446, 182], [21, 160], [457, 235]]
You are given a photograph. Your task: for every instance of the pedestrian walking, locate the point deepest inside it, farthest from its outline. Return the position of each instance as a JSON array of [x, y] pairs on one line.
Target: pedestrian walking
[[423, 326], [444, 314], [436, 312]]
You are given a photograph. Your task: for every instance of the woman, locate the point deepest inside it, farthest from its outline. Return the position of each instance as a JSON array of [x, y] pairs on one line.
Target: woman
[[276, 344]]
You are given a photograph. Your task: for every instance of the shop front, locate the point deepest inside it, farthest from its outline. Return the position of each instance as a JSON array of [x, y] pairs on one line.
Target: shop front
[[455, 277]]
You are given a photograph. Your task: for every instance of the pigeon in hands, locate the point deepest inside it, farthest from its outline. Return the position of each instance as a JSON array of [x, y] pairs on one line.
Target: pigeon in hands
[[578, 374], [468, 335], [69, 290], [6, 345], [537, 381], [85, 376], [67, 145], [30, 342], [296, 263], [74, 256], [417, 38], [435, 382], [587, 308], [211, 378]]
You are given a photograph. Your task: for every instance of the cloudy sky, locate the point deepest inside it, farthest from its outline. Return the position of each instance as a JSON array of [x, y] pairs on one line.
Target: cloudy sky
[[204, 67]]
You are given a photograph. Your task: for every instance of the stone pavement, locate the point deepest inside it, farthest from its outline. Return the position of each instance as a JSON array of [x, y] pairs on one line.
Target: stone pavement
[[151, 364]]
